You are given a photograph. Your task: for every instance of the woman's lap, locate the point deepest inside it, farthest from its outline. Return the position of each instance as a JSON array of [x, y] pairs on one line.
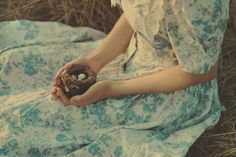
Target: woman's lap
[[129, 124], [139, 125]]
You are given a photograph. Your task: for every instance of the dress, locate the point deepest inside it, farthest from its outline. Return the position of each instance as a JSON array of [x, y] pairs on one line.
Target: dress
[[143, 125]]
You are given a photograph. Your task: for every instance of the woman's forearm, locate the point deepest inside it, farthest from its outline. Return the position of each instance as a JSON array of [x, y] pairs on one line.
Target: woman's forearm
[[114, 44], [165, 81]]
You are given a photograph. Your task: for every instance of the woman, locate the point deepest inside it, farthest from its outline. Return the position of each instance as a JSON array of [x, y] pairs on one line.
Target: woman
[[157, 90], [182, 100]]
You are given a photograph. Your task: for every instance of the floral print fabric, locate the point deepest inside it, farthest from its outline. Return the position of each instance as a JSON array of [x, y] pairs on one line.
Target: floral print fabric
[[196, 30], [191, 30], [143, 125]]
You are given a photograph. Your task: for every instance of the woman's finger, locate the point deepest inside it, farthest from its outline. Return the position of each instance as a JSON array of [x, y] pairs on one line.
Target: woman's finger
[[59, 73], [54, 95], [60, 70], [54, 89], [65, 100], [67, 65], [54, 83]]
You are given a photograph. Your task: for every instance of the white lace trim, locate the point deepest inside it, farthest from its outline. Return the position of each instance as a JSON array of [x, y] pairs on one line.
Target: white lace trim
[[144, 15], [115, 2], [152, 23]]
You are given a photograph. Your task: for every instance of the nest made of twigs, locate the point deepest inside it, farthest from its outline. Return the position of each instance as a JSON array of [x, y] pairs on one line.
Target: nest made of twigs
[[71, 81]]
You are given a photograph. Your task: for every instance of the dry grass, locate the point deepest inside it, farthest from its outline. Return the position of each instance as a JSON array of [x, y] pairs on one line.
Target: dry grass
[[92, 13], [220, 142]]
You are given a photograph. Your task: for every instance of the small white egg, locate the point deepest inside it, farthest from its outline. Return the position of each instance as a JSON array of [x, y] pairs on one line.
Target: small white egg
[[81, 76], [73, 77]]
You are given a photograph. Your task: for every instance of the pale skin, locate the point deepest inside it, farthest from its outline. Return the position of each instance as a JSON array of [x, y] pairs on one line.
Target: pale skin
[[168, 80]]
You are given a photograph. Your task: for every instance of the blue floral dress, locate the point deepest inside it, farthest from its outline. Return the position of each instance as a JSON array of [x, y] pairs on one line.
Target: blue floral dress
[[166, 33]]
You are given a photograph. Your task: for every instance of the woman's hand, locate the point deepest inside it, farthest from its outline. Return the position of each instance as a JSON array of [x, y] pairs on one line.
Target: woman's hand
[[96, 92], [86, 61]]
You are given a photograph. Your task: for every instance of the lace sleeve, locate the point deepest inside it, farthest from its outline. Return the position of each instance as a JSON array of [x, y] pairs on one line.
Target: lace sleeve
[[115, 2]]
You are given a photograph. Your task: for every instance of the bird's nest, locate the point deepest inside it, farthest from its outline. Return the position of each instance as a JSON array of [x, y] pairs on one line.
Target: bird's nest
[[76, 79]]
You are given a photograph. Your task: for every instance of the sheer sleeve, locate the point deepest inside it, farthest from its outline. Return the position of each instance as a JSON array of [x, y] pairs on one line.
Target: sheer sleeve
[[196, 30]]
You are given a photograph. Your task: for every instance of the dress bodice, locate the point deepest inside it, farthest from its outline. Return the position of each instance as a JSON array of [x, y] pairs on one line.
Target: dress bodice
[[171, 32], [149, 37]]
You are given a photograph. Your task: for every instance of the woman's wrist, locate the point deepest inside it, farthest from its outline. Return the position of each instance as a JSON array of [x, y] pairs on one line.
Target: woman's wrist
[[115, 43], [95, 63], [116, 88]]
